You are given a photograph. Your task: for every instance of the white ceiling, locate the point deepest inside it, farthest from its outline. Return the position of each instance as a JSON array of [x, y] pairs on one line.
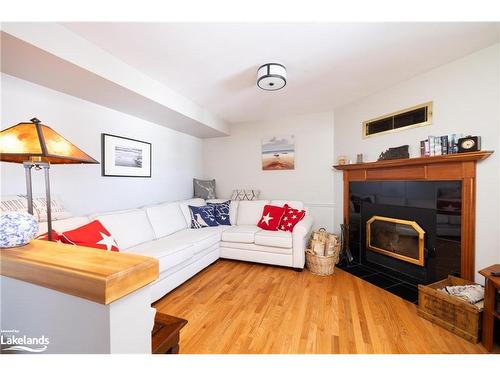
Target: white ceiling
[[329, 64]]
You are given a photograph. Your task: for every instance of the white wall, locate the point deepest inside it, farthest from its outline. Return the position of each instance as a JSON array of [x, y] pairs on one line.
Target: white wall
[[466, 100], [235, 162], [176, 156]]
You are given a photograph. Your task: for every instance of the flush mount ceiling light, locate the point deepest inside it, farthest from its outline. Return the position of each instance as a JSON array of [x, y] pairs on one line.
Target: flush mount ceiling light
[[271, 77]]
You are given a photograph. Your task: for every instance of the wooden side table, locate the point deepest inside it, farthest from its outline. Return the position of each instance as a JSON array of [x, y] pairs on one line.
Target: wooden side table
[[491, 285], [166, 334]]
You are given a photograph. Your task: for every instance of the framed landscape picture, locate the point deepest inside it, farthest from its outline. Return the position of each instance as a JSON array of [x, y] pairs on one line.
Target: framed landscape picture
[[125, 157], [278, 153]]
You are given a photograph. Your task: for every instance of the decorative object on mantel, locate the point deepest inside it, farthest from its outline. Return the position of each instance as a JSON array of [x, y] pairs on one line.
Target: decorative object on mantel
[[37, 146], [469, 144], [359, 158], [278, 153], [323, 254], [245, 195], [17, 229], [125, 157], [442, 145], [342, 160], [392, 153]]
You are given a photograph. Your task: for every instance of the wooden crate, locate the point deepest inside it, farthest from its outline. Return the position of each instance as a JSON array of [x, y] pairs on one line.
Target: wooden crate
[[452, 313]]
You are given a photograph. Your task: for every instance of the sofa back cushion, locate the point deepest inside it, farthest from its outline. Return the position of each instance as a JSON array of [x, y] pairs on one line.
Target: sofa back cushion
[[298, 205], [250, 212], [233, 208], [195, 202], [65, 224], [128, 228], [166, 218]]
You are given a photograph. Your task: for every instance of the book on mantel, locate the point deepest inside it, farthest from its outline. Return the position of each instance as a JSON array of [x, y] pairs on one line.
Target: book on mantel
[[441, 145]]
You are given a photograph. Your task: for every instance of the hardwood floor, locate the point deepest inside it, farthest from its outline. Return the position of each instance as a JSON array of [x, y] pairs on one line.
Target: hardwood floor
[[238, 307]]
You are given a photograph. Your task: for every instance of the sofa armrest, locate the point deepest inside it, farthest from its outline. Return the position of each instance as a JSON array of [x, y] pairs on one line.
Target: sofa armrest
[[300, 237]]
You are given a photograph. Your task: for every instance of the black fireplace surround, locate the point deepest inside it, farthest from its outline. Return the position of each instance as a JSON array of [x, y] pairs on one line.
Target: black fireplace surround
[[434, 207]]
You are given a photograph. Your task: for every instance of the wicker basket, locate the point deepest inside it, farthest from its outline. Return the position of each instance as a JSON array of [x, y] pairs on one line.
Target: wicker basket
[[323, 254], [320, 264], [452, 313]]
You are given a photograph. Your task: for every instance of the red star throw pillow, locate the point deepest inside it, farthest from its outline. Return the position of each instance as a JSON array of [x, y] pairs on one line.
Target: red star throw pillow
[[93, 235], [56, 237], [290, 218], [271, 216]]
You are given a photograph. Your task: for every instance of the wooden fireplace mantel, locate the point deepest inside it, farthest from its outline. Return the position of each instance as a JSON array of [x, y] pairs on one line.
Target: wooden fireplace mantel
[[456, 167]]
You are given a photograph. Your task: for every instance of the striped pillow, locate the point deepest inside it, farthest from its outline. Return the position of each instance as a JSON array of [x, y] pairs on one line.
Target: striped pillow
[[16, 203]]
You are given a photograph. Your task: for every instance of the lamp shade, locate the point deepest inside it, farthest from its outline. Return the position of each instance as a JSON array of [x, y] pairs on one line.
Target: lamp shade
[[26, 140], [271, 76]]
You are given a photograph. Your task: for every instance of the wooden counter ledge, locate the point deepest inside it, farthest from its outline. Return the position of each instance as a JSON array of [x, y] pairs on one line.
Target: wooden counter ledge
[[97, 275]]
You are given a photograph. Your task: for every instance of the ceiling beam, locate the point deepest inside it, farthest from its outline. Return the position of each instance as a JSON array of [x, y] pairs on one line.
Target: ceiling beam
[[52, 56]]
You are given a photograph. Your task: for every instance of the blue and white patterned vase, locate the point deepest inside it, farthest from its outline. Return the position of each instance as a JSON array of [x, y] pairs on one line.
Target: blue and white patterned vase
[[17, 229]]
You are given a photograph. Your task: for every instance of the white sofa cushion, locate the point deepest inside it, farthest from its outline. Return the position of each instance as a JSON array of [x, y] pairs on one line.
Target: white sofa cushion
[[196, 202], [233, 208], [298, 205], [168, 251], [166, 218], [200, 239], [128, 228], [240, 233], [274, 238], [251, 247], [250, 212], [65, 224]]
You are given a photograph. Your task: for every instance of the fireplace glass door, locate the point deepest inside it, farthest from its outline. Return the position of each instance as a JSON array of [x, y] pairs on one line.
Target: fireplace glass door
[[400, 239]]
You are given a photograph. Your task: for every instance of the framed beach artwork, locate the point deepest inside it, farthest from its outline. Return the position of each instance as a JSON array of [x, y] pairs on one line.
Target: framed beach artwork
[[125, 157], [278, 153]]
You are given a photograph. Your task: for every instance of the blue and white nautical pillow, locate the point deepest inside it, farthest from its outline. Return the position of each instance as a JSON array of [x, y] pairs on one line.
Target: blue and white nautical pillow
[[202, 217], [222, 212]]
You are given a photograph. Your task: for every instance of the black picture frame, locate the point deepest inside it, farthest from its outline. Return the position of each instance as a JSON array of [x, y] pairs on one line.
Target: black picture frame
[[107, 170]]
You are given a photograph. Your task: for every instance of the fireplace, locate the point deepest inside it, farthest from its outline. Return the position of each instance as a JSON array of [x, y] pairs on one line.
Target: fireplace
[[437, 193], [397, 238], [405, 233]]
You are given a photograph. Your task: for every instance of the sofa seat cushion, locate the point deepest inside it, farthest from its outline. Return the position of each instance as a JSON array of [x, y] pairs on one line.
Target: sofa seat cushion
[[200, 238], [240, 233], [169, 252], [273, 239], [251, 247]]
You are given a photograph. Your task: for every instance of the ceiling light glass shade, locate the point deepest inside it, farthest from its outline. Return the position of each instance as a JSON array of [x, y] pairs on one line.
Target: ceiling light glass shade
[[271, 77], [26, 140]]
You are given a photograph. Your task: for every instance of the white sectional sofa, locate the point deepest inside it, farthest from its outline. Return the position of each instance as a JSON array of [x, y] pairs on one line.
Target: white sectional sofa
[[162, 231]]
